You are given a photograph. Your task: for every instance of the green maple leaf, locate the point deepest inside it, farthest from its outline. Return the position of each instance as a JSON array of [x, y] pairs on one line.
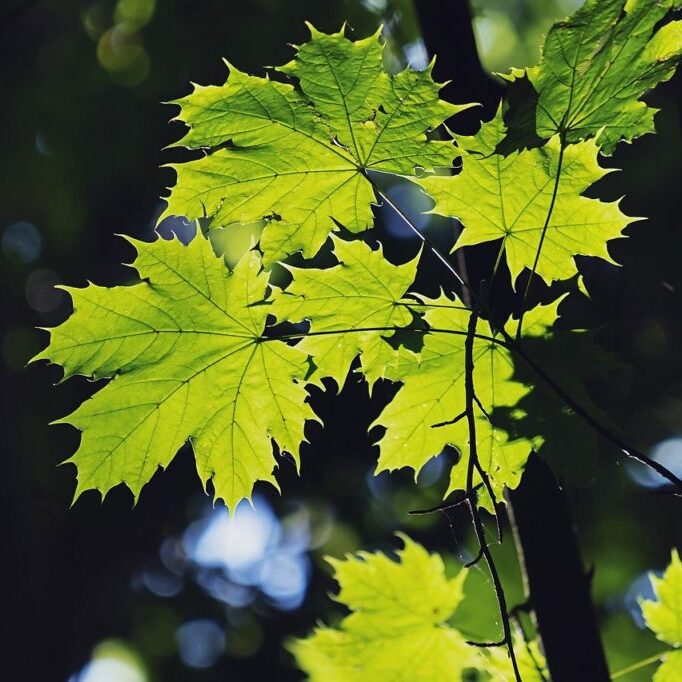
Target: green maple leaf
[[597, 65], [397, 629], [299, 156], [664, 618], [509, 198], [363, 291], [185, 350], [427, 413]]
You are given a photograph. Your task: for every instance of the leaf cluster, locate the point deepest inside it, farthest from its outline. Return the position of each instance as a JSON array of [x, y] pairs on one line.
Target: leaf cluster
[[194, 351]]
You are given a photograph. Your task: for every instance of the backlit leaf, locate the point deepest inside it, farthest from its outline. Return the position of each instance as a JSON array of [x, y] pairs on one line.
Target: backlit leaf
[[398, 626], [298, 157], [187, 362], [362, 292], [664, 617], [597, 65], [509, 198]]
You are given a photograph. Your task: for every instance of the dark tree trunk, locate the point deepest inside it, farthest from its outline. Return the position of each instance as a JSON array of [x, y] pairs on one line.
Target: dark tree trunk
[[557, 585], [447, 33]]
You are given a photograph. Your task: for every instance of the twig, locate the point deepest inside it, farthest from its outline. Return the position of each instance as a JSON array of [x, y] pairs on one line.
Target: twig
[[613, 438], [486, 478], [445, 505], [486, 645], [478, 523], [449, 422], [640, 664], [479, 554]]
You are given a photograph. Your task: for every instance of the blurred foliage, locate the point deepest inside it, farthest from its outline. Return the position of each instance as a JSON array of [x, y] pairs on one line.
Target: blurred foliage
[[510, 32]]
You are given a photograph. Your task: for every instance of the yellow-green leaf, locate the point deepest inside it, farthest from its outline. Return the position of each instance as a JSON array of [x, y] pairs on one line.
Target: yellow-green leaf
[[352, 307], [664, 616], [398, 626], [298, 157], [510, 198], [184, 351], [597, 65]]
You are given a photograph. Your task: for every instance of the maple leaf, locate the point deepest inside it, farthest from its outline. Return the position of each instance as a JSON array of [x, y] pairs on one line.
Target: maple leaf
[[362, 292], [398, 626], [299, 156], [185, 349], [596, 66], [510, 198], [664, 618], [428, 412]]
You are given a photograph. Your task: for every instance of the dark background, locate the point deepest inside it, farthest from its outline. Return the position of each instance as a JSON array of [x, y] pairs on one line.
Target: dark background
[[82, 154]]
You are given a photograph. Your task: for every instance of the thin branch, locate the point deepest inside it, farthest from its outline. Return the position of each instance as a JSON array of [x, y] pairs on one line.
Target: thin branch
[[487, 645], [480, 407], [479, 554], [478, 523], [486, 478], [444, 506], [613, 438], [449, 422], [493, 498]]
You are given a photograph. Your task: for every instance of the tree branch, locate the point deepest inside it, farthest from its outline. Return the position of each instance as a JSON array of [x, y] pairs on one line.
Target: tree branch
[[584, 414], [475, 514]]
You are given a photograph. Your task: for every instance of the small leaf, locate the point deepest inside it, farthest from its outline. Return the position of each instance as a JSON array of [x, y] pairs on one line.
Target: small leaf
[[510, 197], [664, 616], [363, 291]]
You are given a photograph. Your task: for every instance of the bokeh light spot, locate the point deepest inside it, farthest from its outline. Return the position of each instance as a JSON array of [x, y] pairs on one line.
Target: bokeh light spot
[[21, 242], [200, 643]]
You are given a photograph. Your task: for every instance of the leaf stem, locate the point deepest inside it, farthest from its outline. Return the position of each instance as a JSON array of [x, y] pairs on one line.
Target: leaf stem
[[356, 330], [425, 240], [636, 666], [555, 192]]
